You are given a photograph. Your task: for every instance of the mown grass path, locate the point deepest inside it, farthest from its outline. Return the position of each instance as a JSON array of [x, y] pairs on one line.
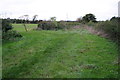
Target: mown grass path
[[60, 54]]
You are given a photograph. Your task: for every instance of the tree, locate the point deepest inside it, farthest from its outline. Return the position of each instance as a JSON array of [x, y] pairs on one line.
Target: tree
[[24, 17], [34, 17], [115, 19], [53, 19], [89, 17]]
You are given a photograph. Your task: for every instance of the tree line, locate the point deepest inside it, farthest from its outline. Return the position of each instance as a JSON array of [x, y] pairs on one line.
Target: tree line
[[19, 21]]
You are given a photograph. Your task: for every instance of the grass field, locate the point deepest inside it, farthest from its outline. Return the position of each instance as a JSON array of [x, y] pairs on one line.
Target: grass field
[[59, 54], [20, 27]]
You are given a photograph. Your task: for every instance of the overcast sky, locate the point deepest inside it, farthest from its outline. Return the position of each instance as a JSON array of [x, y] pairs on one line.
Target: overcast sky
[[61, 9]]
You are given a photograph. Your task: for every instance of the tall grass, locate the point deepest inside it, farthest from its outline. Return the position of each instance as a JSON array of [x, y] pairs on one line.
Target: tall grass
[[109, 27]]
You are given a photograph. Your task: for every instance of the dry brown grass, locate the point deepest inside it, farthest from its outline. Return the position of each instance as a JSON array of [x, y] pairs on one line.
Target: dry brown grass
[[97, 32], [93, 31]]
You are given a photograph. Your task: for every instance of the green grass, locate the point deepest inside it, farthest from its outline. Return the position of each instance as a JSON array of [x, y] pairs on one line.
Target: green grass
[[60, 54], [20, 27]]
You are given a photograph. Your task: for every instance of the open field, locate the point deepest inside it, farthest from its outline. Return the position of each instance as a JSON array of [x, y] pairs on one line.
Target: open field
[[20, 27], [59, 54]]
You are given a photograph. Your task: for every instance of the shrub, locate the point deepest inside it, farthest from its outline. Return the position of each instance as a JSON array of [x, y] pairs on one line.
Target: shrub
[[108, 26], [10, 35], [51, 25], [54, 25], [7, 32], [47, 26], [91, 23], [63, 25], [6, 25], [111, 28]]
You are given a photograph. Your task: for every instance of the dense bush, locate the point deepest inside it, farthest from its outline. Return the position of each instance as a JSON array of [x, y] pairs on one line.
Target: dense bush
[[47, 26], [51, 25], [54, 25], [91, 23], [7, 32], [6, 25], [108, 26], [72, 23], [111, 27], [10, 35]]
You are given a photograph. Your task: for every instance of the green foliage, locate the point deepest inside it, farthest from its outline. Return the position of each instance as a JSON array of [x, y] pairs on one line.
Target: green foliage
[[51, 25], [6, 25], [7, 32], [62, 25], [53, 19], [110, 27], [54, 25], [10, 35], [47, 26], [89, 17], [90, 23]]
